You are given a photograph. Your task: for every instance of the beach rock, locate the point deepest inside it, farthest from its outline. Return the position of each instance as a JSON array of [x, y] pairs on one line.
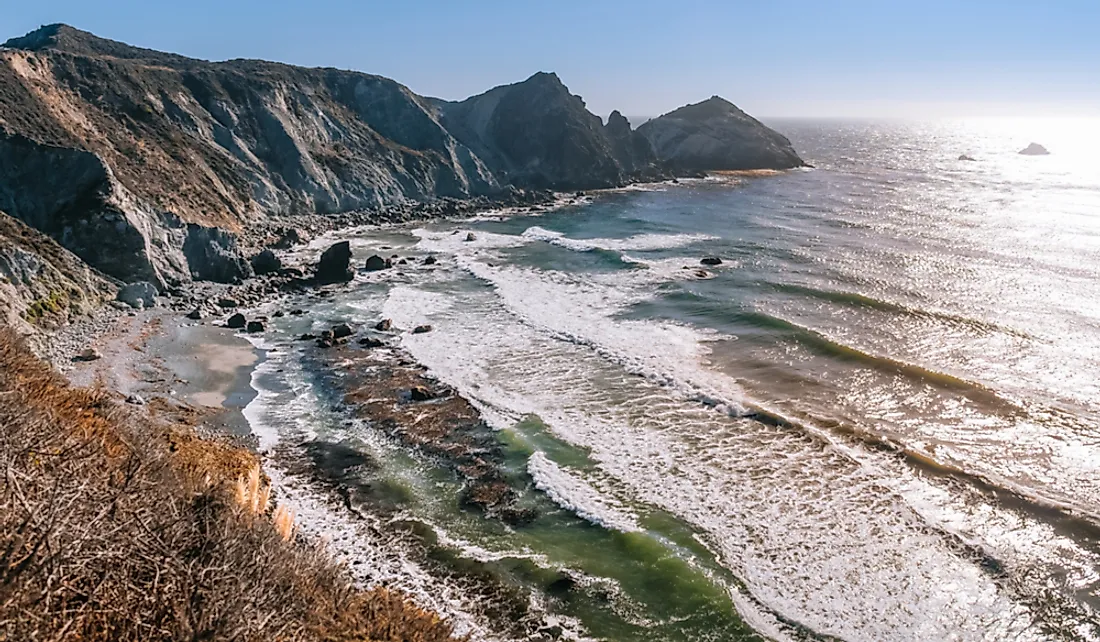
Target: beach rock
[[422, 329], [964, 157], [715, 135], [266, 262], [335, 264], [89, 354], [420, 393], [385, 325], [278, 314], [212, 255], [307, 337], [371, 342], [237, 321], [1034, 149], [402, 262], [255, 326], [470, 236], [702, 274], [375, 263], [711, 260], [138, 295], [196, 315], [342, 330], [430, 260], [226, 302], [288, 237], [297, 312]]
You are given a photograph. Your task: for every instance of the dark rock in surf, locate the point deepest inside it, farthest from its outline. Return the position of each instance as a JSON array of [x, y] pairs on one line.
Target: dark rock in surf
[[964, 157], [255, 326], [237, 321], [711, 260], [279, 314], [371, 342], [335, 264], [375, 263], [430, 260], [196, 315], [422, 329], [385, 325], [342, 330], [470, 237], [307, 337], [1034, 149]]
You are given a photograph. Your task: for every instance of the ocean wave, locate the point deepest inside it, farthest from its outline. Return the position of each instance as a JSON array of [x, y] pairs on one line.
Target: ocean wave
[[574, 494]]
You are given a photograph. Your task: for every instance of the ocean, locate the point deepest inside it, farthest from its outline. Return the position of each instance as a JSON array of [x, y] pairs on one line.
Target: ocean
[[877, 419]]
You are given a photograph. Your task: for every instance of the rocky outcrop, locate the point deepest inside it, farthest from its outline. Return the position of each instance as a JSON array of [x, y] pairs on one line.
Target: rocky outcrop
[[715, 135], [1034, 149], [212, 255], [41, 283], [537, 134]]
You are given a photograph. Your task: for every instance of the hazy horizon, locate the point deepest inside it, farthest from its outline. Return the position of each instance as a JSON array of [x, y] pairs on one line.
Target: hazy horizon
[[855, 60]]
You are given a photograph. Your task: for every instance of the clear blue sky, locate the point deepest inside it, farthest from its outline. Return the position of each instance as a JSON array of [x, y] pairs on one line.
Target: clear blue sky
[[786, 58]]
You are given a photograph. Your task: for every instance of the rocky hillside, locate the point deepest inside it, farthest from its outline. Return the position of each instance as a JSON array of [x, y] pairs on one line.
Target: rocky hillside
[[147, 165], [41, 283], [537, 134], [715, 135]]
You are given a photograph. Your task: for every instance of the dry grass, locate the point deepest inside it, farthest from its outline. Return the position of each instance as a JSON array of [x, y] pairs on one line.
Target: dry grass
[[113, 527]]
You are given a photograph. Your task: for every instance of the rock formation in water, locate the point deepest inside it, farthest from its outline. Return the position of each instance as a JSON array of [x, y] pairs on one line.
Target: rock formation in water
[[1034, 149], [147, 165], [715, 135]]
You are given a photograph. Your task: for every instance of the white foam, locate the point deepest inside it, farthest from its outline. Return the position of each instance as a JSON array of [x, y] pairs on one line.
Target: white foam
[[572, 493], [638, 242]]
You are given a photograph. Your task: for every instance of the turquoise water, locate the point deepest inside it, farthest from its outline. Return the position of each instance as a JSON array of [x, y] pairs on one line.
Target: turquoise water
[[878, 419]]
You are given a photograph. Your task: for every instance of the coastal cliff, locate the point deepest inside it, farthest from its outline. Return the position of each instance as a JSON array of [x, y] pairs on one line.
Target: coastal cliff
[[715, 135], [149, 165]]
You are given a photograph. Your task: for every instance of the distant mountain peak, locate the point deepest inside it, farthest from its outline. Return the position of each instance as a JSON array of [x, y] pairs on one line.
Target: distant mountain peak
[[68, 39]]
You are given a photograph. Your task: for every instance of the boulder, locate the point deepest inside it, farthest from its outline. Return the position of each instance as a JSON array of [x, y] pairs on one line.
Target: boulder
[[196, 315], [1034, 149], [255, 326], [288, 237], [138, 295], [237, 321], [470, 236], [371, 342], [226, 302], [964, 157], [342, 330], [307, 337], [212, 255], [420, 393], [279, 314], [422, 329], [89, 354], [711, 260], [430, 260], [375, 263], [297, 312], [385, 325], [266, 262], [335, 264]]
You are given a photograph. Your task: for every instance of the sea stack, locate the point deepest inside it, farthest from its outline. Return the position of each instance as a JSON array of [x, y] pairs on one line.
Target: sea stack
[[1034, 149]]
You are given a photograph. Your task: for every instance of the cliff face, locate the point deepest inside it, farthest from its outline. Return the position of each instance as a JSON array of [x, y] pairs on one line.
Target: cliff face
[[41, 283], [143, 143], [537, 134], [715, 135], [145, 164]]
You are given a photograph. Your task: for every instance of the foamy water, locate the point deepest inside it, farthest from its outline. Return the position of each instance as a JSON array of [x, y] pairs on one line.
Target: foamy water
[[876, 420]]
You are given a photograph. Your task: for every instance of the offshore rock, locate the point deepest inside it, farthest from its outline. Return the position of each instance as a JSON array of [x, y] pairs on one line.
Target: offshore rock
[[715, 135], [375, 263], [1034, 149]]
